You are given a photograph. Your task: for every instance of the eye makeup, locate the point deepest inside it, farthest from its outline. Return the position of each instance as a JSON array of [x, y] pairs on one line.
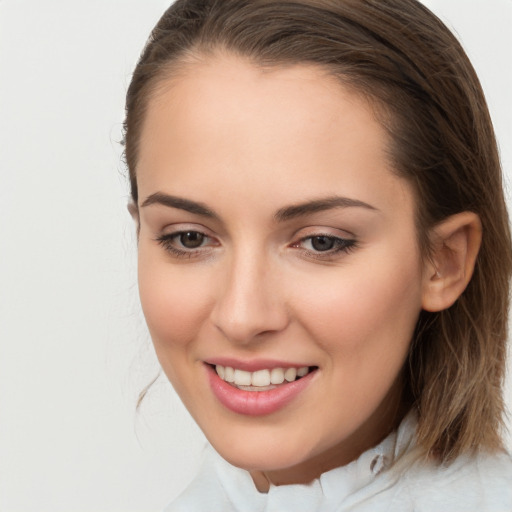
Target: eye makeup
[[193, 243]]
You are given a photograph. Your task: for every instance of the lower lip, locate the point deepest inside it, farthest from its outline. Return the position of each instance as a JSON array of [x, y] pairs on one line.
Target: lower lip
[[256, 403]]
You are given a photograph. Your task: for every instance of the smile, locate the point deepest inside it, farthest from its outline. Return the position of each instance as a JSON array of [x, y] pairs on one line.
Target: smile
[[261, 380], [259, 392]]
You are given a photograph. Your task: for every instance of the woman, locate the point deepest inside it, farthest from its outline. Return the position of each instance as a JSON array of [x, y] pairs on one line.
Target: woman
[[324, 254]]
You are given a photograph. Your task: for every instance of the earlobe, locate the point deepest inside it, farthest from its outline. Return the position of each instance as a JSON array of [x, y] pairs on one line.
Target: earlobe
[[456, 242]]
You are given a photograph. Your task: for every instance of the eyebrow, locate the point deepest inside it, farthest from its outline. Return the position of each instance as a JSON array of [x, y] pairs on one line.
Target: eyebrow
[[319, 205], [181, 204], [283, 214]]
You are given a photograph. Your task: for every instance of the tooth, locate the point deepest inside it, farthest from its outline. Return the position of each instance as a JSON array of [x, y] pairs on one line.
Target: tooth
[[261, 378], [220, 371], [229, 374], [301, 372], [242, 378], [290, 374], [277, 376]]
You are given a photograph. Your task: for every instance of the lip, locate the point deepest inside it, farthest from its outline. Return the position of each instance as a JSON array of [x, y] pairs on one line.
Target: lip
[[256, 403], [254, 365]]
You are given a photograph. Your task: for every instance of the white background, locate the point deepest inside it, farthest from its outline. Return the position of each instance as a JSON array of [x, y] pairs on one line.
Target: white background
[[74, 351]]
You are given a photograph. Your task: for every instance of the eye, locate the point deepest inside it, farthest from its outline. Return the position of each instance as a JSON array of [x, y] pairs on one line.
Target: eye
[[322, 243], [187, 243], [191, 239], [325, 245]]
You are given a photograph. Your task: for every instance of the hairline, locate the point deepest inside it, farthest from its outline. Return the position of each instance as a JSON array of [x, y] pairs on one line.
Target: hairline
[[200, 53]]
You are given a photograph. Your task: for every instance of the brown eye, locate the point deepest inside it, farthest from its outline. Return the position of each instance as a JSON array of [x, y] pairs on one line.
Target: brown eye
[[322, 243], [191, 239]]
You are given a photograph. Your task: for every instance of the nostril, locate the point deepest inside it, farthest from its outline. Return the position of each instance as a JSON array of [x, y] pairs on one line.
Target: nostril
[[246, 310]]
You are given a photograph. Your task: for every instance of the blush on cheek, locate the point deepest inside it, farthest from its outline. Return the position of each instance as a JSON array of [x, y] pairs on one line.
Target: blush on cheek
[[372, 315], [173, 311]]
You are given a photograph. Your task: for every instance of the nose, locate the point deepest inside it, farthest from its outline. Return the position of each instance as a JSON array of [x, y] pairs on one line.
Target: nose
[[249, 305]]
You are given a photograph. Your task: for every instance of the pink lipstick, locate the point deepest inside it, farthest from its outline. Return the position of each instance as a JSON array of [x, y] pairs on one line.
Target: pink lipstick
[[256, 403]]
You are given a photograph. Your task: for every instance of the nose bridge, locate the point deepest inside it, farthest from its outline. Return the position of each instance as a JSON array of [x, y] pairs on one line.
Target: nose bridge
[[249, 302]]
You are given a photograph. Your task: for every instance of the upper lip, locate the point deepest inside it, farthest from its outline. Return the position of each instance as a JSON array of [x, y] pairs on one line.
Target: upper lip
[[253, 365]]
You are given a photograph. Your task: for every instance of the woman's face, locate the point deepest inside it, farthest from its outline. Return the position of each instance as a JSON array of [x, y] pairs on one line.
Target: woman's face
[[275, 238]]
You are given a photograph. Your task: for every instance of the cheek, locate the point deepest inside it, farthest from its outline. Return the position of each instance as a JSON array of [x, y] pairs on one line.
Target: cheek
[[174, 302], [368, 315]]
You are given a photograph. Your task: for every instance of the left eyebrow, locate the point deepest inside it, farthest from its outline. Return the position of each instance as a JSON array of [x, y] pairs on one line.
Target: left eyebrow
[[319, 205]]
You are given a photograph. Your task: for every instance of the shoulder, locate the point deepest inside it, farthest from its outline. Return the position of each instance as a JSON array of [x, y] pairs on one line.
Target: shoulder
[[480, 483]]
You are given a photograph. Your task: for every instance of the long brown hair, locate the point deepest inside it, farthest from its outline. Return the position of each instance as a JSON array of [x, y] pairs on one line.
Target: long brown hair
[[428, 98]]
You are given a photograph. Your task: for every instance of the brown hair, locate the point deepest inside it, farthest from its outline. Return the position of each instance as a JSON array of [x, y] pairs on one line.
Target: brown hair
[[429, 99]]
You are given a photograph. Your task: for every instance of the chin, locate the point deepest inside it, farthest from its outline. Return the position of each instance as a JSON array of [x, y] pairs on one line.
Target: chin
[[257, 451], [261, 459]]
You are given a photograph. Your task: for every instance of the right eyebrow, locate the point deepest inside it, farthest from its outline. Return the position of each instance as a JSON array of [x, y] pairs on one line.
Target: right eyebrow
[[179, 203]]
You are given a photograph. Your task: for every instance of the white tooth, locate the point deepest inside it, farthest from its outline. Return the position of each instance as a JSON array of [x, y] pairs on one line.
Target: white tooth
[[302, 371], [277, 376], [290, 374], [220, 371], [242, 378], [229, 374], [261, 378]]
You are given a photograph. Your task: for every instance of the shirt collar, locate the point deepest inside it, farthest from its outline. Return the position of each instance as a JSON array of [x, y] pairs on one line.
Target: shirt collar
[[334, 486]]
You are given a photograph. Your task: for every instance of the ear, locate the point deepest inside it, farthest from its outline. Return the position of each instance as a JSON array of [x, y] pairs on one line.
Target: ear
[[133, 209], [456, 242]]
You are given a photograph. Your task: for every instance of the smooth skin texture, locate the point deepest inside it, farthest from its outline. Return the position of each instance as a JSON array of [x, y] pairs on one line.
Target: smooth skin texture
[[338, 285]]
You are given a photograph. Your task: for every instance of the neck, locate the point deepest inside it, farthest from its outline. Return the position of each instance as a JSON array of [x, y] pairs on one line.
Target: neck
[[383, 420]]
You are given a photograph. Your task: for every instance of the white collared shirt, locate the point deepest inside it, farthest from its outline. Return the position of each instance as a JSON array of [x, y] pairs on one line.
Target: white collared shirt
[[482, 483]]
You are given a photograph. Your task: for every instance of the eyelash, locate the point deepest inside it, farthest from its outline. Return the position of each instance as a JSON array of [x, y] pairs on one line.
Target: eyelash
[[341, 245], [168, 242]]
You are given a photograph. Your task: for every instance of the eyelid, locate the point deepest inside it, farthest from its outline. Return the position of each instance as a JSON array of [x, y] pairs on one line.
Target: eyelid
[[322, 235], [318, 230], [179, 227], [343, 244], [167, 240]]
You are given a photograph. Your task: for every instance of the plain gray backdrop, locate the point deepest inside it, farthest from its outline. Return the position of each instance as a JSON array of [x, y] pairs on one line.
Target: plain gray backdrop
[[74, 351]]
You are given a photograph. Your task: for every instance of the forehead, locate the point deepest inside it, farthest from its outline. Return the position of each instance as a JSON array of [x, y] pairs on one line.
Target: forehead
[[232, 126]]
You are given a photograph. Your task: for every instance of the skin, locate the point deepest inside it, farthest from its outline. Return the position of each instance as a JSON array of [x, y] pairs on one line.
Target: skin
[[247, 143]]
